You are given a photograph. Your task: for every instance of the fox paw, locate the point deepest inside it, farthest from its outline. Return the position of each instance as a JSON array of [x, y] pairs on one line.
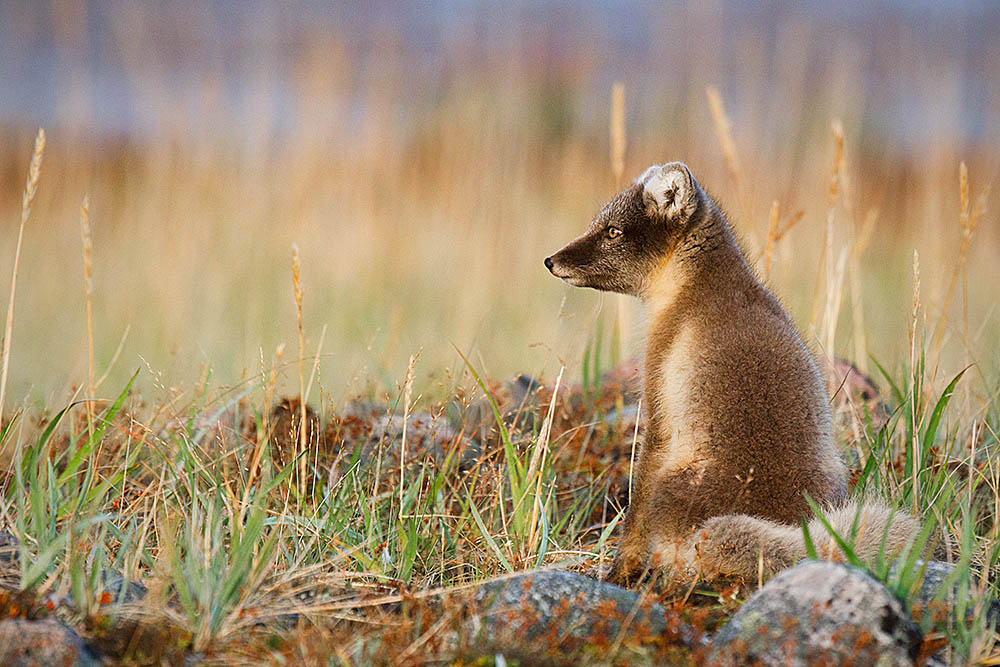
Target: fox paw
[[624, 572]]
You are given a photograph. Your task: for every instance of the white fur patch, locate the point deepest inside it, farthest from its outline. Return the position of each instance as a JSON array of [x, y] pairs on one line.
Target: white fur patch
[[648, 173], [667, 189], [679, 429]]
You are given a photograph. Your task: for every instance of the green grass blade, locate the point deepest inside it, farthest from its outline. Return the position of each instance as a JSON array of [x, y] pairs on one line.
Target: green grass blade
[[807, 539], [543, 545], [43, 562], [897, 394], [939, 407], [513, 461], [486, 535], [606, 533], [852, 557], [408, 552], [87, 448], [6, 429]]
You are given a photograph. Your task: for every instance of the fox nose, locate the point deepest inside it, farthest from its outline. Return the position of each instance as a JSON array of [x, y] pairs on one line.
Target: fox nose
[[548, 263]]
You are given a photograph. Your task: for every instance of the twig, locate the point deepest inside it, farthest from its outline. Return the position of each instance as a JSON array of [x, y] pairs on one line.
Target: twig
[[635, 437]]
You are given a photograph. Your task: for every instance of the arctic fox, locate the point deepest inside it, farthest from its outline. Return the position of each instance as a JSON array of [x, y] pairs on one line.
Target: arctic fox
[[738, 428]]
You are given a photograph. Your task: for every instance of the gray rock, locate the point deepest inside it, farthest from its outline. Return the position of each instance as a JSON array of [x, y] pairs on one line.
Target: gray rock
[[558, 617], [10, 562], [25, 643], [517, 402], [935, 574], [819, 613], [120, 589], [934, 609], [625, 420], [8, 550], [927, 598]]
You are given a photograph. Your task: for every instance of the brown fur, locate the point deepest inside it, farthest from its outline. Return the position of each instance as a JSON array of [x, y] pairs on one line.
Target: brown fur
[[738, 426]]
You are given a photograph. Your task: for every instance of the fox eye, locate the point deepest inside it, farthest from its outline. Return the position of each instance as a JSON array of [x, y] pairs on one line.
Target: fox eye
[[614, 232]]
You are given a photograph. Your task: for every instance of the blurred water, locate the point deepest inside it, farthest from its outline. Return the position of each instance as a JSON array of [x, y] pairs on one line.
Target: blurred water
[[117, 68]]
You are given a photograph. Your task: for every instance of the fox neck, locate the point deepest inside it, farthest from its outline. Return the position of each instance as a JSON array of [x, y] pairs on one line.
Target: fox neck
[[703, 258]]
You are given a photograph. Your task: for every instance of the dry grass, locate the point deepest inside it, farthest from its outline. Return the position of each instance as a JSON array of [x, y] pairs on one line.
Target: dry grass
[[27, 199], [420, 233], [88, 281]]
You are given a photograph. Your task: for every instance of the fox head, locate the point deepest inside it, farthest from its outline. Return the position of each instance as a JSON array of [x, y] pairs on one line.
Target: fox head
[[634, 232]]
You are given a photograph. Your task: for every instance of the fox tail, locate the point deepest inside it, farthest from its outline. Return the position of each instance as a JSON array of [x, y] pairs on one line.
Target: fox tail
[[746, 546]]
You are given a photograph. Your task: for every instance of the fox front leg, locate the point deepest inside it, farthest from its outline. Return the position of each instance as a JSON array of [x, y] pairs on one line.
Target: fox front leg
[[629, 564], [633, 548]]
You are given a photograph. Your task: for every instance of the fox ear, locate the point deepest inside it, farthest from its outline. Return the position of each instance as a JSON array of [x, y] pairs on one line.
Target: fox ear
[[669, 191]]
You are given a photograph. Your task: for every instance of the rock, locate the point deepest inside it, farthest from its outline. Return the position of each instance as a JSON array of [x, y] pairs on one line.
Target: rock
[[935, 575], [625, 420], [27, 643], [10, 562], [120, 589], [558, 617], [8, 550], [819, 613], [517, 402], [427, 435]]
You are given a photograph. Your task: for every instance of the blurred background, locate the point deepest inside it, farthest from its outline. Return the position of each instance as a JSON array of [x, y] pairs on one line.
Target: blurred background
[[426, 156]]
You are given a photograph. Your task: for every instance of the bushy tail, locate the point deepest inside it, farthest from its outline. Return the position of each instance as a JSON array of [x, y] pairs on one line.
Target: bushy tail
[[737, 544]]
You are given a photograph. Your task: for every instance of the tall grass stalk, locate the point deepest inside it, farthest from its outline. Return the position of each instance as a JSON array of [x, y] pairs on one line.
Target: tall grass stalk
[[825, 266], [772, 238], [635, 439], [968, 218], [407, 396], [861, 240], [303, 422], [618, 145], [89, 289], [916, 378], [618, 134], [776, 231], [27, 198], [724, 133], [264, 431]]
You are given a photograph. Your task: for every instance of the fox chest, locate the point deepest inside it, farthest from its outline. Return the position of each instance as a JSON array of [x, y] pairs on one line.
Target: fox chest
[[681, 436]]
